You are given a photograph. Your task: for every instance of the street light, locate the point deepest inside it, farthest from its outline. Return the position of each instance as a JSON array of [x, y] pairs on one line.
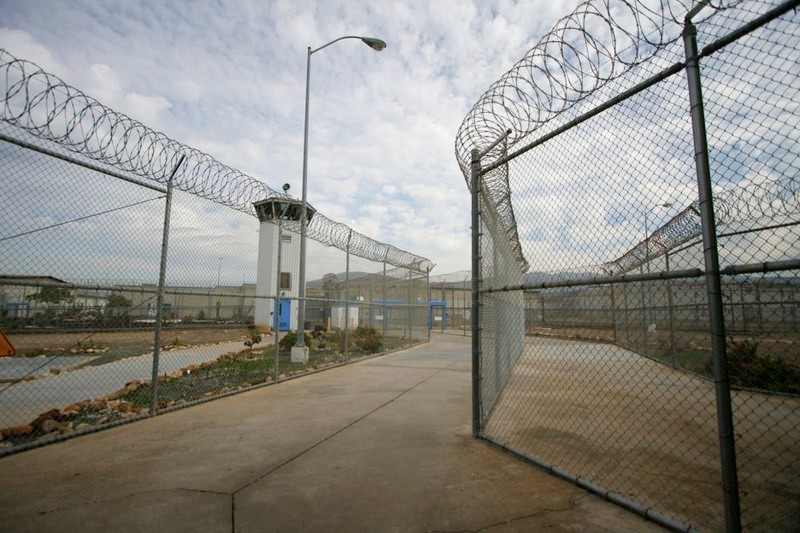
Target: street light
[[300, 345]]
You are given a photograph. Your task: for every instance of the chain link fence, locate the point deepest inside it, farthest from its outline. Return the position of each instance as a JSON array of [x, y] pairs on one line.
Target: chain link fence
[[451, 302], [130, 273], [637, 259]]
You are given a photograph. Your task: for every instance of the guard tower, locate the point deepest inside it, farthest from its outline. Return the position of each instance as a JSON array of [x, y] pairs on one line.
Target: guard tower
[[278, 243]]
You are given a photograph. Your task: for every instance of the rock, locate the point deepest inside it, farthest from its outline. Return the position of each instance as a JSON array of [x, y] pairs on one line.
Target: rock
[[52, 414], [17, 431], [75, 408], [103, 420], [53, 426], [245, 385], [124, 407], [98, 405], [83, 426], [133, 385]]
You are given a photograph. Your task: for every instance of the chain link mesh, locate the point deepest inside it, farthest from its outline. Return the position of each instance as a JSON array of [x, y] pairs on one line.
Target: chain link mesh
[[82, 220], [453, 292], [42, 105], [595, 344]]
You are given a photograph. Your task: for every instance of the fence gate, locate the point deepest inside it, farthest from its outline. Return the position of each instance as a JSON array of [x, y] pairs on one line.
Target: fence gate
[[636, 259]]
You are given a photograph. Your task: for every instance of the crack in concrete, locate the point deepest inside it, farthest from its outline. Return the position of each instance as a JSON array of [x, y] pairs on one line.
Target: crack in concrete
[[128, 495], [506, 522], [334, 434]]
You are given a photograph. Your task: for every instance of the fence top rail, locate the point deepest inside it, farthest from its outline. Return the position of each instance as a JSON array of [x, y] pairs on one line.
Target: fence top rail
[[45, 107]]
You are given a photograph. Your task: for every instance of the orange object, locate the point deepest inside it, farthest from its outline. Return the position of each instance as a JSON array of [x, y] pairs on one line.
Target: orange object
[[6, 348]]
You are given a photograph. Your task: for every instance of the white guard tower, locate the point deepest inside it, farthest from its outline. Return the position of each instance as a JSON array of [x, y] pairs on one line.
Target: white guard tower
[[269, 211]]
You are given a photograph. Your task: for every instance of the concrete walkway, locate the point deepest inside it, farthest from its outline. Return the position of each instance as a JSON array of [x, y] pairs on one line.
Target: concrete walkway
[[381, 445]]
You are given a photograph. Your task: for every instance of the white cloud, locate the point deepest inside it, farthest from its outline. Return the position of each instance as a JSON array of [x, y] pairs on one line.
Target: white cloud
[[230, 79], [23, 45]]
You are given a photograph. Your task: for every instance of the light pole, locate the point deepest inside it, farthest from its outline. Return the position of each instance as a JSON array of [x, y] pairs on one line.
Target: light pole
[[299, 351]]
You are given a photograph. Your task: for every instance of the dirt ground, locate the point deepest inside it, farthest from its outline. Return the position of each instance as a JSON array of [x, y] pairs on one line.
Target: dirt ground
[[142, 339], [648, 432]]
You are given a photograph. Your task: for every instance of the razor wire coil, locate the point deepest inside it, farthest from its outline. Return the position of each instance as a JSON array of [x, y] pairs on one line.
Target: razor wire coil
[[598, 43], [44, 106]]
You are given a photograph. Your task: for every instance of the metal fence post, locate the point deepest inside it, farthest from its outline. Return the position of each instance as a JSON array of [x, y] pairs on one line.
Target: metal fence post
[[671, 313], [613, 313], [644, 314], [347, 298], [409, 309], [385, 316], [276, 309], [730, 484], [161, 282], [475, 172], [428, 285]]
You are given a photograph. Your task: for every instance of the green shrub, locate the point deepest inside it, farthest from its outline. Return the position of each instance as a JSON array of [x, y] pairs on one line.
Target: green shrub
[[749, 370], [290, 339], [319, 332], [368, 339], [334, 339], [255, 336]]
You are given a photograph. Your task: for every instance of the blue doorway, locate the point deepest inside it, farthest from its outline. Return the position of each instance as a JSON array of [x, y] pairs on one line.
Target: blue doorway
[[437, 315], [283, 316]]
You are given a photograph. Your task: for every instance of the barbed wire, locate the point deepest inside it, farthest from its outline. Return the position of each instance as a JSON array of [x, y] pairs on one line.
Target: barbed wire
[[46, 107], [598, 43], [460, 279], [752, 203]]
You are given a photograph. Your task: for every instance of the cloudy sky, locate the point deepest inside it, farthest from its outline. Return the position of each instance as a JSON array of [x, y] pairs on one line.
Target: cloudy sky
[[228, 78]]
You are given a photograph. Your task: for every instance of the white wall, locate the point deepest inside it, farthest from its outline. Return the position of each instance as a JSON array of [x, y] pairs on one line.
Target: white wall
[[266, 275]]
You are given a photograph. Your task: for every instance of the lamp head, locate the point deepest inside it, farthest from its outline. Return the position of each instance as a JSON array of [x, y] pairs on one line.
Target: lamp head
[[375, 44], [285, 187]]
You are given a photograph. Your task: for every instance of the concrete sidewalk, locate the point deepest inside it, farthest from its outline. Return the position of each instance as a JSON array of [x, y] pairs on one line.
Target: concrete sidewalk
[[381, 445]]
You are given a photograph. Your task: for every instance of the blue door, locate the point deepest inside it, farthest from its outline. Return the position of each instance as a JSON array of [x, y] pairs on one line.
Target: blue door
[[283, 316]]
